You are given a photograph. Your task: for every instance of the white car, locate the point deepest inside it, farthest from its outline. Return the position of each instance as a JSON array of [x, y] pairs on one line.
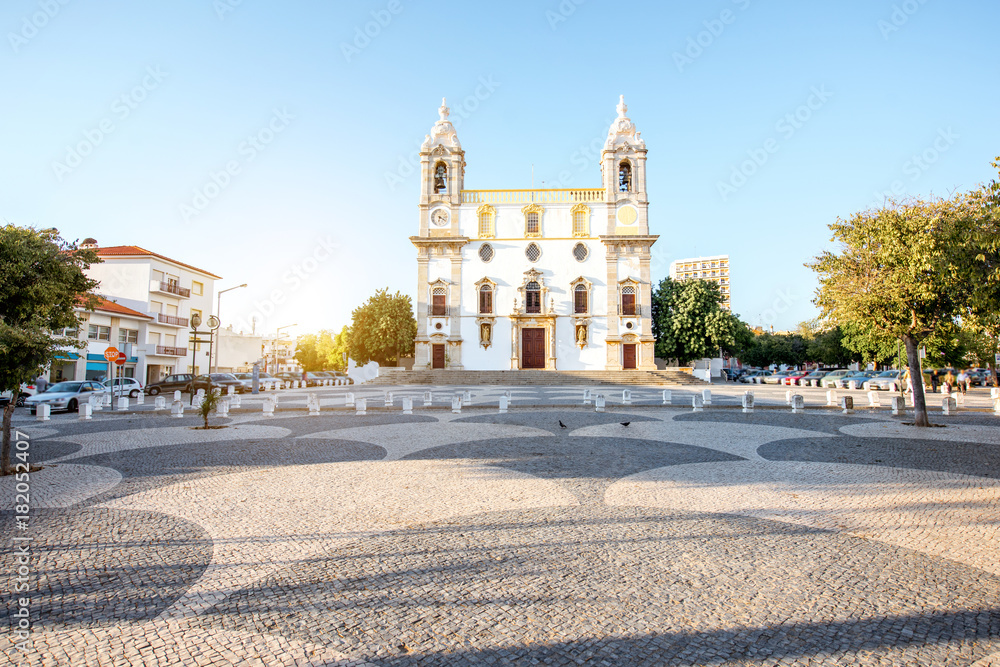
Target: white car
[[23, 393], [69, 395], [129, 386]]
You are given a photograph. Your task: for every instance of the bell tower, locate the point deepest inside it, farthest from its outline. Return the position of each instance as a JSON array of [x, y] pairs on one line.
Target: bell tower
[[442, 177], [623, 170]]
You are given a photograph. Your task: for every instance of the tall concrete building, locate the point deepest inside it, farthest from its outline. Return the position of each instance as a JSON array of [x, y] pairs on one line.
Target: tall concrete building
[[715, 269]]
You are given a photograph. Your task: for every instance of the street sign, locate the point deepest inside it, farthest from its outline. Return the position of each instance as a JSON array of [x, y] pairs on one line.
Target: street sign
[[111, 353], [121, 359]]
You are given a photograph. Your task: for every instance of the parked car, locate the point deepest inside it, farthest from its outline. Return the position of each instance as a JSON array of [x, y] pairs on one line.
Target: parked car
[[264, 381], [170, 383], [860, 377], [23, 393], [123, 386], [65, 395], [777, 378], [832, 379], [340, 375], [220, 381], [793, 379], [754, 377], [811, 379], [883, 380]]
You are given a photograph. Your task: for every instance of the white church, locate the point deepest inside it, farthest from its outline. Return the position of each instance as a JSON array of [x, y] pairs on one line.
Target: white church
[[534, 279]]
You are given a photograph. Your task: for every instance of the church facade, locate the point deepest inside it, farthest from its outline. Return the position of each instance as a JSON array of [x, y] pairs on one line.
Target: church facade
[[534, 279]]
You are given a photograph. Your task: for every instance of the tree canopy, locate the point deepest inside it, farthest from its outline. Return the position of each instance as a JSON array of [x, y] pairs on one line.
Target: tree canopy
[[689, 321], [322, 351], [383, 329]]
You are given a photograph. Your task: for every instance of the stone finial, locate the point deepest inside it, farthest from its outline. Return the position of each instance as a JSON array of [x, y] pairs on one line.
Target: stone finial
[[443, 110], [622, 107]]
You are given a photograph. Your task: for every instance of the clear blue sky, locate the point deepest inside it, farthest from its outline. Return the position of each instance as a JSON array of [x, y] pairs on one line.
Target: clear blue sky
[[895, 81]]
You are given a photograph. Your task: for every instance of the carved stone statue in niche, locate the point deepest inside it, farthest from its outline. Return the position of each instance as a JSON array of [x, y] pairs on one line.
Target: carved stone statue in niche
[[581, 335], [440, 178], [485, 334]]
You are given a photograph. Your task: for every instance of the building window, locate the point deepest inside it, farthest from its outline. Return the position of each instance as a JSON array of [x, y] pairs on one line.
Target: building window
[[487, 221], [96, 332], [438, 308], [581, 220], [486, 252], [580, 299], [624, 177], [533, 298], [197, 288], [486, 300], [531, 224], [628, 301], [128, 336], [532, 252], [580, 252]]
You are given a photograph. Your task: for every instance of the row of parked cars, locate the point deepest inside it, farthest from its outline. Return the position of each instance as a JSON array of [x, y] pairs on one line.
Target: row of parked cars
[[841, 378], [69, 395]]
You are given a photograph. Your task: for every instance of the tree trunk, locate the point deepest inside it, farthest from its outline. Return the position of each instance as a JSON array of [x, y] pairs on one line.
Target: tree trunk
[[917, 380], [8, 412]]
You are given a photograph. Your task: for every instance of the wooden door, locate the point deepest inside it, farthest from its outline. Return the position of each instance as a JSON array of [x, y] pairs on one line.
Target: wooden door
[[532, 348], [438, 356], [628, 356]]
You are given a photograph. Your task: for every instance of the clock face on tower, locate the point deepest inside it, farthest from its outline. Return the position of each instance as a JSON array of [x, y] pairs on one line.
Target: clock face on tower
[[439, 217]]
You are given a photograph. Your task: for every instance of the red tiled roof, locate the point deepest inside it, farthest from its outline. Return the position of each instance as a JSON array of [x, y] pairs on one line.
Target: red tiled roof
[[112, 307], [136, 251]]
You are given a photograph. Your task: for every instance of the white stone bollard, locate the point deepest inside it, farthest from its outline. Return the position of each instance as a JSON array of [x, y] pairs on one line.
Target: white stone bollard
[[898, 405], [177, 395], [788, 397], [599, 403], [668, 397], [748, 399], [626, 397], [467, 398], [456, 404], [893, 387], [236, 401], [86, 410], [123, 404], [706, 396], [504, 404], [388, 399], [847, 403], [230, 390], [95, 402], [200, 392], [268, 406], [140, 399], [587, 396], [107, 400], [831, 398], [407, 405], [994, 393], [349, 400], [949, 406], [361, 406], [508, 395], [874, 400], [697, 403], [176, 410], [798, 403], [852, 385], [996, 407], [428, 399], [959, 398], [196, 401], [222, 408], [312, 402]]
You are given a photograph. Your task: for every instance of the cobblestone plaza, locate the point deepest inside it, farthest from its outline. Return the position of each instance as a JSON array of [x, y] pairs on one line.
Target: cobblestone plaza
[[548, 535]]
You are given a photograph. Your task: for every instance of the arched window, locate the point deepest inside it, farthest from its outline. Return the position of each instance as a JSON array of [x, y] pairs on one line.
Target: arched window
[[486, 300], [438, 308], [628, 301], [580, 299], [624, 177], [581, 218], [440, 178], [533, 297], [487, 219]]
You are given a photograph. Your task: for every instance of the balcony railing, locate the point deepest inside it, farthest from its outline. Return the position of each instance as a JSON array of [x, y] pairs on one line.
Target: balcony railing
[[172, 288], [172, 320], [439, 311], [532, 196], [633, 311], [171, 351]]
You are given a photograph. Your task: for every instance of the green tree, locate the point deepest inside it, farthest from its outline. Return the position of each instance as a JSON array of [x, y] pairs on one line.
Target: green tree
[[341, 346], [383, 329], [689, 321], [41, 282], [307, 353], [827, 347], [316, 352], [209, 403], [906, 271]]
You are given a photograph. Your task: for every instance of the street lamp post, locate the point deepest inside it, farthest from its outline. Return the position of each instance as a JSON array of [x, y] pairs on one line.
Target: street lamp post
[[277, 335], [218, 308]]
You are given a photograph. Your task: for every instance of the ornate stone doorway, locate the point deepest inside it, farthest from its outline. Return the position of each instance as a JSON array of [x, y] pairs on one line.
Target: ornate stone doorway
[[628, 356], [533, 348]]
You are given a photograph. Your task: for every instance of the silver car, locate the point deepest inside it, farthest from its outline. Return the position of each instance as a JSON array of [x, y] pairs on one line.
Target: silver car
[[264, 381], [884, 380], [65, 395]]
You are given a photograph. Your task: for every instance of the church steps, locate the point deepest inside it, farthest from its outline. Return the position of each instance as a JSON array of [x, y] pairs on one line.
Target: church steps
[[392, 376]]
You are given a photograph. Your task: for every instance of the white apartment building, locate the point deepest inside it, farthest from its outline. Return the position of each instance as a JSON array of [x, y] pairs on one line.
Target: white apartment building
[[166, 290], [714, 269], [237, 351], [108, 324]]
